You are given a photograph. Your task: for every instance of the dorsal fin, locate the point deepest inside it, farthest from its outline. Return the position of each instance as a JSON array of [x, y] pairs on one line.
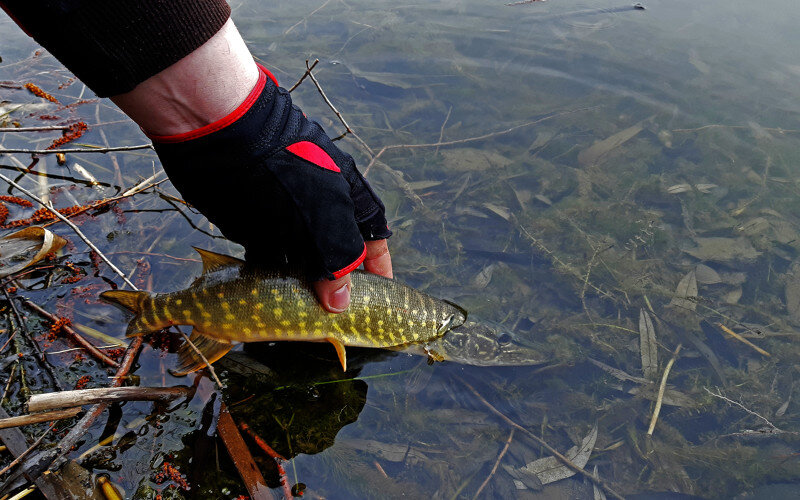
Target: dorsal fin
[[213, 261]]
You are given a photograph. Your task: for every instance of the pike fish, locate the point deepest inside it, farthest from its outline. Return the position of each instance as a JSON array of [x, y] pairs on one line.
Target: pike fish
[[231, 302]]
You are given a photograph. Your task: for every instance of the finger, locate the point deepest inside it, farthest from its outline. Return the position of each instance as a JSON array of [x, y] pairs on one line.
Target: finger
[[378, 259], [334, 295]]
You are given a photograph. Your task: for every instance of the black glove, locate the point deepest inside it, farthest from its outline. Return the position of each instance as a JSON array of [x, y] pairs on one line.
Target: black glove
[[273, 181]]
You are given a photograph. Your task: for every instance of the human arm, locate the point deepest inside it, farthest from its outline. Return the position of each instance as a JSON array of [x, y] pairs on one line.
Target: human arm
[[319, 219]]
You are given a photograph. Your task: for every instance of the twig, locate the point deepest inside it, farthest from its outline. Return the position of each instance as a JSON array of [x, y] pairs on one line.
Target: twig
[[742, 339], [496, 464], [26, 452], [472, 139], [8, 382], [241, 456], [75, 336], [718, 125], [287, 491], [64, 399], [72, 226], [441, 130], [561, 458], [77, 150], [288, 30], [35, 418], [719, 395], [36, 346], [661, 389], [336, 111], [44, 128], [308, 72]]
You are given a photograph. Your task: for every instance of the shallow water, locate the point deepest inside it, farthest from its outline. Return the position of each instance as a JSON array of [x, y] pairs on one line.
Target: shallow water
[[594, 160]]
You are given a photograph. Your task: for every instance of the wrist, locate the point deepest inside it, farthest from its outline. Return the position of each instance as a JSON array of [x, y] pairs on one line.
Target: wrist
[[203, 87]]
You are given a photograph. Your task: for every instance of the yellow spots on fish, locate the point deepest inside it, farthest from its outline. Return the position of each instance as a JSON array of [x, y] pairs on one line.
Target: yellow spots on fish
[[301, 303], [410, 324], [187, 313], [247, 331], [367, 320], [242, 302], [381, 331], [221, 295], [205, 314], [278, 312], [302, 324], [230, 317], [227, 326], [337, 327], [260, 325], [415, 311], [317, 332], [254, 292], [366, 300], [225, 305], [399, 317], [194, 296], [353, 330], [352, 317], [286, 322], [259, 306], [380, 322], [207, 324], [178, 302], [264, 333], [388, 311], [414, 335], [368, 329], [276, 294], [302, 314], [200, 305], [318, 323]]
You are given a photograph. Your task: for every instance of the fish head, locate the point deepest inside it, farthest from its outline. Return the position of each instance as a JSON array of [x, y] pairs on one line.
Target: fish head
[[486, 344]]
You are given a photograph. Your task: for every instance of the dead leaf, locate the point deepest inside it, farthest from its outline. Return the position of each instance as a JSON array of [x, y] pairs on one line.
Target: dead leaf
[[706, 275], [733, 296], [719, 249], [26, 247], [686, 292], [792, 292], [419, 185], [549, 469], [679, 188], [498, 210], [705, 188], [648, 345], [483, 278], [593, 153]]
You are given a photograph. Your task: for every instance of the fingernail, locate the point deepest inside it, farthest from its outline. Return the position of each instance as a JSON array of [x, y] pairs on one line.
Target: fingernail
[[340, 299]]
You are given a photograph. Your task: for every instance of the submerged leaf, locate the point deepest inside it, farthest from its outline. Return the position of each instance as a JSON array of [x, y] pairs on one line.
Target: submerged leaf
[[549, 469], [792, 292], [593, 153], [706, 275], [26, 247], [723, 249], [686, 292], [648, 345]]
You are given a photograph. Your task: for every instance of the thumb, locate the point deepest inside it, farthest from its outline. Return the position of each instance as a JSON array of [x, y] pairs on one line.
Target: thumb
[[334, 296]]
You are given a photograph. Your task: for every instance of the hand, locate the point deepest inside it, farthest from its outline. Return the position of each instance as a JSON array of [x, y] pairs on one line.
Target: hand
[[237, 149], [335, 295]]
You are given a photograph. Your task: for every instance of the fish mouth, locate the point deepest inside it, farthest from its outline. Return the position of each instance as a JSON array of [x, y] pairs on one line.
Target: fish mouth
[[487, 344]]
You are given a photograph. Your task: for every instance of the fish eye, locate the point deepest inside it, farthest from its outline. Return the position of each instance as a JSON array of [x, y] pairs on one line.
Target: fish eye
[[504, 338]]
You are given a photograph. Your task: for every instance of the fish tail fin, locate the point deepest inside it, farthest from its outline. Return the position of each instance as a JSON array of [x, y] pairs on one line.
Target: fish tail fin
[[134, 302], [130, 300], [188, 358]]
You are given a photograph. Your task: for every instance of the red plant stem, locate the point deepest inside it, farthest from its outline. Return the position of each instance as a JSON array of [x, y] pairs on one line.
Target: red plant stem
[[287, 491]]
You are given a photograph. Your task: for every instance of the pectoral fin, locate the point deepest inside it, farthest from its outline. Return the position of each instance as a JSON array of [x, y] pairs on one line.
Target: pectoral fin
[[189, 360], [337, 344]]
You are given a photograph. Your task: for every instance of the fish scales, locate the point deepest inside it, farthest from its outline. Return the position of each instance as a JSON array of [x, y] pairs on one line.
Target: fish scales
[[382, 312], [230, 303]]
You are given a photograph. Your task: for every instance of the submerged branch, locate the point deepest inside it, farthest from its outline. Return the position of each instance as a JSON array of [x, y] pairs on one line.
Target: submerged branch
[[63, 399], [77, 150], [36, 418]]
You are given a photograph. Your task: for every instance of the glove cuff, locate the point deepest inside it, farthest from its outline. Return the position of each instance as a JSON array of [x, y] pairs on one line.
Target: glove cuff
[[225, 121]]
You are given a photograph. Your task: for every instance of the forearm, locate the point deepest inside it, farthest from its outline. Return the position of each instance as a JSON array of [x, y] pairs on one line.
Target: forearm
[[114, 45]]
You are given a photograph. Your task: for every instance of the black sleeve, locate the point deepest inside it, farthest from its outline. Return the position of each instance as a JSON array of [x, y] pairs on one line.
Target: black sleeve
[[113, 45]]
